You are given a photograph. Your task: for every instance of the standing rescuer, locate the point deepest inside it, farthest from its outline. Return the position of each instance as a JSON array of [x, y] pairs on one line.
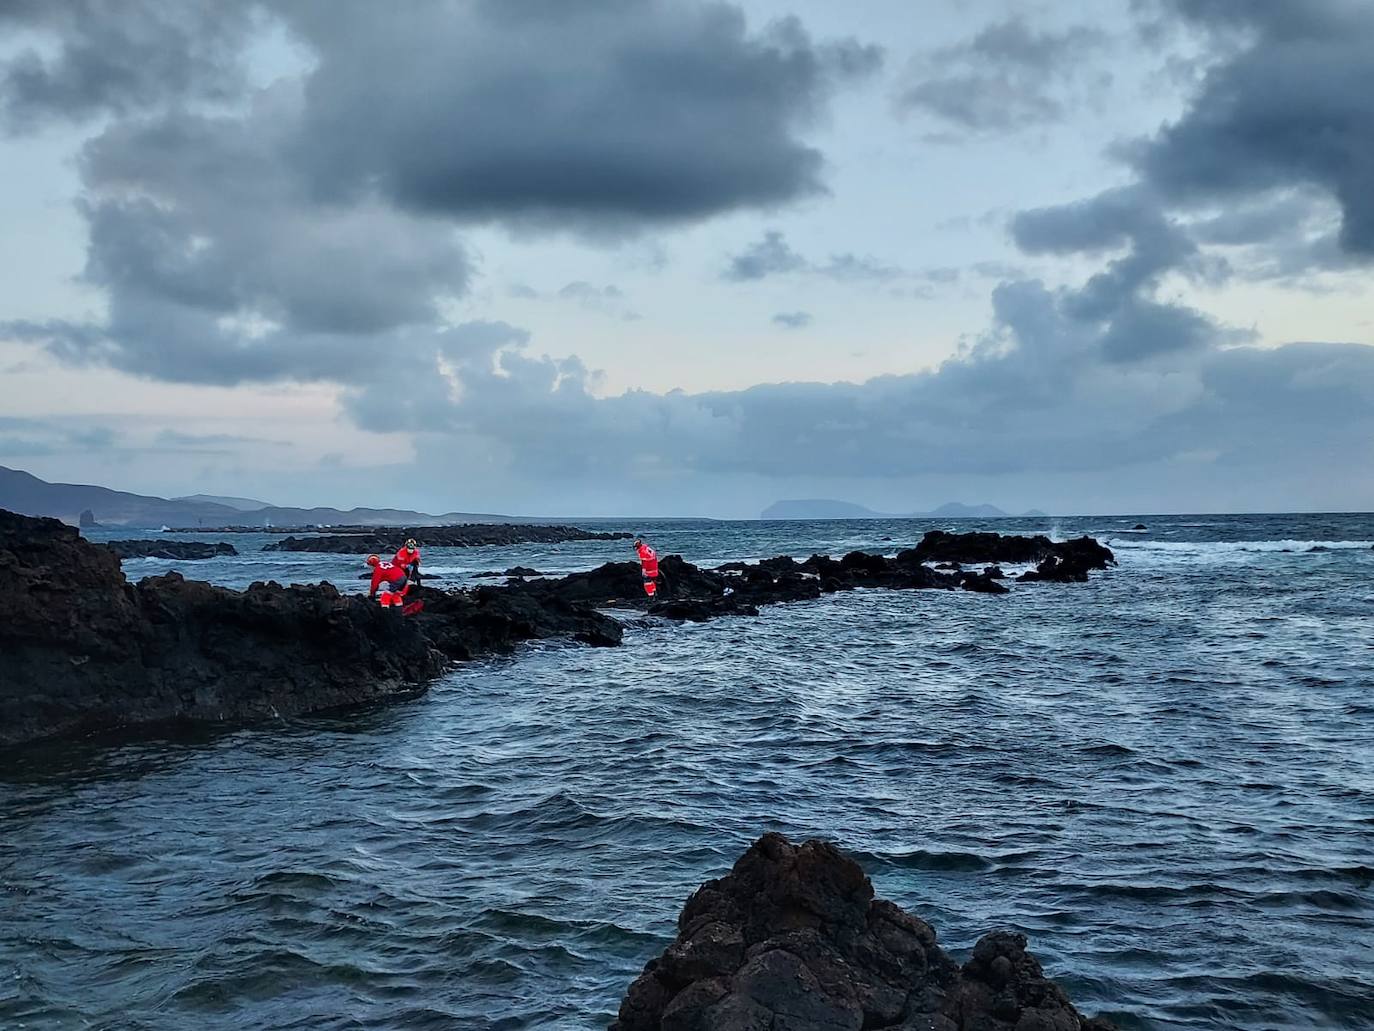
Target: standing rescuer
[[648, 566], [408, 558]]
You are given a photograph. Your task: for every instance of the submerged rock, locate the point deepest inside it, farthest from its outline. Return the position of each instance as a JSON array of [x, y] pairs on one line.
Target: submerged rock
[[170, 549], [793, 938]]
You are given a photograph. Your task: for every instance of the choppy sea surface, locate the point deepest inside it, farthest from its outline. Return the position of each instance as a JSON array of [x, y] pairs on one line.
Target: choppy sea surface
[[1164, 777]]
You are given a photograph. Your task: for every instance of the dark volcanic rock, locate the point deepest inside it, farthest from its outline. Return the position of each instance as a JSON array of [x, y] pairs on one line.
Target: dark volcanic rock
[[794, 939], [170, 549], [86, 520], [1140, 526], [464, 625], [1071, 562], [84, 650], [939, 546], [387, 539], [982, 583]]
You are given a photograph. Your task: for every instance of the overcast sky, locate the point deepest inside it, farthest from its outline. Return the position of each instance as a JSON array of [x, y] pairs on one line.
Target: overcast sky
[[577, 257]]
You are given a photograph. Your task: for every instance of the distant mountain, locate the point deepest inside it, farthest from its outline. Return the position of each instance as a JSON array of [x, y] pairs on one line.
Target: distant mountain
[[819, 508], [824, 508], [955, 510], [28, 495], [242, 504]]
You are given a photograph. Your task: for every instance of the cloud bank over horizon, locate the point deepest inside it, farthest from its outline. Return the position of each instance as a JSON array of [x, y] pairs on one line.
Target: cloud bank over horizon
[[308, 212]]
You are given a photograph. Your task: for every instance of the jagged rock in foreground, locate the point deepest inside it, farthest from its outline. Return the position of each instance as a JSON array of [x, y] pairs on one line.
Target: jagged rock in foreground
[[794, 940], [181, 550], [382, 539]]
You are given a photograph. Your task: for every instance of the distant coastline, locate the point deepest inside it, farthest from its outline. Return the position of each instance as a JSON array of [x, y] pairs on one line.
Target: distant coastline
[[827, 508]]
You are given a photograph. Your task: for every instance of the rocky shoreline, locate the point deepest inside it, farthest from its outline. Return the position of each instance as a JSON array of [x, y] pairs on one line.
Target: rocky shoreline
[[178, 550], [794, 937], [87, 651], [379, 539]]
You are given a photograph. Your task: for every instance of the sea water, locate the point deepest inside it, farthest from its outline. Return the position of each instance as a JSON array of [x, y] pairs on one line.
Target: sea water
[[1163, 777]]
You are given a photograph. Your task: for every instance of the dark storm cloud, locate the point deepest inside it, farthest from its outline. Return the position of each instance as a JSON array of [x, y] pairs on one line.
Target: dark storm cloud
[[793, 319], [1118, 304], [1104, 375], [306, 232], [219, 269], [600, 116], [118, 58], [1288, 103], [1008, 76]]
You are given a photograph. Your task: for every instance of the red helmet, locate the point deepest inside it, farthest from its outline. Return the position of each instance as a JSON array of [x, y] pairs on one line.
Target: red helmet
[[373, 560]]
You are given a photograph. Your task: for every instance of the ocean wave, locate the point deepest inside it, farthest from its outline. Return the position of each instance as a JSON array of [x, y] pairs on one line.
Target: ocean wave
[[1234, 547]]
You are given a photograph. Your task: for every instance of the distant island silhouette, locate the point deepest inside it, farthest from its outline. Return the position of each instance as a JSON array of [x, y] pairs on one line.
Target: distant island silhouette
[[826, 508]]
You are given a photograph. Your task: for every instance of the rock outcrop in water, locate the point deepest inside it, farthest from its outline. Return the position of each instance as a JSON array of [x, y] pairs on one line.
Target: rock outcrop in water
[[384, 539], [83, 649], [794, 940], [181, 550], [688, 592], [940, 546]]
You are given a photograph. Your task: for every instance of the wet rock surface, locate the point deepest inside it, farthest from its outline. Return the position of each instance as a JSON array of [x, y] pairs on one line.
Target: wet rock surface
[[170, 549], [365, 540], [793, 938]]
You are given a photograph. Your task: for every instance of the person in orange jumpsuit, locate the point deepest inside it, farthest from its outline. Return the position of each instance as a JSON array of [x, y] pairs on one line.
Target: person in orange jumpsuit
[[408, 558], [648, 566], [389, 582]]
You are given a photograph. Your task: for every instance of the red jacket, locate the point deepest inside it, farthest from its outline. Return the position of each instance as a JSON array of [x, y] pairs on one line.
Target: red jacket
[[405, 559], [386, 574], [648, 559]]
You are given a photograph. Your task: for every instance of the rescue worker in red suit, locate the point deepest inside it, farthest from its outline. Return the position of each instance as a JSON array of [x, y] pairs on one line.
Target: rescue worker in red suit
[[648, 566], [408, 558], [389, 582]]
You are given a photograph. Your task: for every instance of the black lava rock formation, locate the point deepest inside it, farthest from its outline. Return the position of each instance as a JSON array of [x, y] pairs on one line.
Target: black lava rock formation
[[170, 549], [794, 939], [940, 546], [387, 539], [85, 650]]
